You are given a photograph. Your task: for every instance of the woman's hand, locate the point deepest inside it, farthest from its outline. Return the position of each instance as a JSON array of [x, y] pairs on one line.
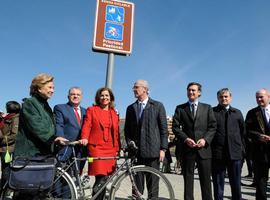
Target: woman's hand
[[84, 142], [61, 140]]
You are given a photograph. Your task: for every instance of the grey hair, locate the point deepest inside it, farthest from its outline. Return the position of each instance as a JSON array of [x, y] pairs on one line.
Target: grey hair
[[74, 87], [144, 84], [263, 90], [223, 90]]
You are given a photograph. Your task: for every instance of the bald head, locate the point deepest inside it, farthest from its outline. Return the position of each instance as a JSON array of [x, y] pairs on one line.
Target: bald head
[[141, 89], [143, 83], [263, 97]]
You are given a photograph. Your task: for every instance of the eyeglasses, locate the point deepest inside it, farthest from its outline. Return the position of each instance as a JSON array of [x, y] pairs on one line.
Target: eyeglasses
[[136, 87], [73, 94]]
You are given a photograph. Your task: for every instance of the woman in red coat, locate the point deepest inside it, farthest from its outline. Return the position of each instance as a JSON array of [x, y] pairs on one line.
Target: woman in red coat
[[100, 132]]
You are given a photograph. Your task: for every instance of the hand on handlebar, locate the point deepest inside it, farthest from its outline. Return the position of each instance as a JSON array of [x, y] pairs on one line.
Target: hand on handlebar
[[61, 140], [83, 142]]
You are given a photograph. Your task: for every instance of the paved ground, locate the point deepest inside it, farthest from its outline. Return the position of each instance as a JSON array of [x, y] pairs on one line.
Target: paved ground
[[178, 182], [248, 193]]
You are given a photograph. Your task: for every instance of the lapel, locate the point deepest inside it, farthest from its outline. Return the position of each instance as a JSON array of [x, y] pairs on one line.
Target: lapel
[[147, 106], [115, 119], [260, 119], [136, 110], [96, 115], [188, 111], [135, 107], [83, 112], [72, 114], [199, 109]]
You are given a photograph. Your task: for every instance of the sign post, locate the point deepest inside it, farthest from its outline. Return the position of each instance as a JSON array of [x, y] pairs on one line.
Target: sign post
[[113, 31]]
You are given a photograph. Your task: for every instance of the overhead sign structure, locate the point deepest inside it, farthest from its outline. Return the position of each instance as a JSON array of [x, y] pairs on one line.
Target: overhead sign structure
[[114, 26]]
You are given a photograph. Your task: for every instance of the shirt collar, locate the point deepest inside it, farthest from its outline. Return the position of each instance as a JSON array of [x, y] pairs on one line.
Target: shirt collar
[[266, 108], [194, 102], [144, 102], [78, 108]]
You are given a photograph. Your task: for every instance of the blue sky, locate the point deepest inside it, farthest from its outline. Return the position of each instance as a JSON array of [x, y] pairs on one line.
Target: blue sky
[[218, 43]]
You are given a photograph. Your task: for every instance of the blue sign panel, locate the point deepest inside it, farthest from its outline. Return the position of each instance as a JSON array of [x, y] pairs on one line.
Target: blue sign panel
[[115, 14], [113, 31]]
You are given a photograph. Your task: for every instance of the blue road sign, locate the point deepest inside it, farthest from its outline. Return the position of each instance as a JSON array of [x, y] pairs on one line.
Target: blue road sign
[[113, 31], [115, 14]]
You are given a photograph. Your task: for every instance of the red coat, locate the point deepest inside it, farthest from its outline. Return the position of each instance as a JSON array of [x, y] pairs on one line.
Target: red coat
[[101, 129]]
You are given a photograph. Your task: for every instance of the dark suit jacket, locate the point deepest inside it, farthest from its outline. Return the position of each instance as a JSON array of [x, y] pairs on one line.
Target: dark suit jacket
[[203, 126], [68, 127], [151, 135], [228, 145], [66, 122], [256, 125]]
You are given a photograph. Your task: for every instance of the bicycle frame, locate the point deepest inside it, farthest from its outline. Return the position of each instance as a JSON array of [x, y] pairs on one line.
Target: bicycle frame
[[128, 164]]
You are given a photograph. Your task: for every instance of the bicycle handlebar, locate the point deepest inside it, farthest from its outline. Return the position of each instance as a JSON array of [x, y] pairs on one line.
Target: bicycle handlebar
[[131, 145], [73, 143], [131, 148]]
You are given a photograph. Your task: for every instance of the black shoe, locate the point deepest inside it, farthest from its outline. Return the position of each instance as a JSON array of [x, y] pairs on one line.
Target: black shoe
[[252, 185], [247, 185], [248, 176]]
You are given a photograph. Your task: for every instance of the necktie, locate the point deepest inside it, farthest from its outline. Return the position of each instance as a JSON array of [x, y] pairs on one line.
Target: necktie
[[140, 110], [193, 112], [77, 115], [267, 116]]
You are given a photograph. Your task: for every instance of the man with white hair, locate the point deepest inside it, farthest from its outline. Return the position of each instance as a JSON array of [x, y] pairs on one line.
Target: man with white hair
[[146, 125], [258, 130]]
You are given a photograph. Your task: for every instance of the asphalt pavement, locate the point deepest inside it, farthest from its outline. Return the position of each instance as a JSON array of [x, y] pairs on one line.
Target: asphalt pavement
[[177, 182], [248, 193]]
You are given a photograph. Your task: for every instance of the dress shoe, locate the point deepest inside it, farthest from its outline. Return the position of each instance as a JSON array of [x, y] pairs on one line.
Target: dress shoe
[[248, 176], [252, 185], [249, 185]]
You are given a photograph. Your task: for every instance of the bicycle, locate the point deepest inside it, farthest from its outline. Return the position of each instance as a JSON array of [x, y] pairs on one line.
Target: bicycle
[[120, 185]]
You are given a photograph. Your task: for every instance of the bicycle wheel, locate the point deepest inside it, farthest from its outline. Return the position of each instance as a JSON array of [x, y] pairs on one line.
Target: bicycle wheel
[[63, 188], [134, 184]]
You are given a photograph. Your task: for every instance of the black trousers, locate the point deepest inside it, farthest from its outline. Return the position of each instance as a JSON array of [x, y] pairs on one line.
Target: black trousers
[[204, 170], [4, 169], [218, 175], [100, 180], [261, 171], [152, 182]]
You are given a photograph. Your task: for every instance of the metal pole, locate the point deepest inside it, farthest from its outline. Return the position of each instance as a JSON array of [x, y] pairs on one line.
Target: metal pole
[[110, 67]]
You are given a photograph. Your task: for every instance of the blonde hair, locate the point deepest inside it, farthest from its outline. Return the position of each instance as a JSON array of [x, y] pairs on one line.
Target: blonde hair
[[38, 82]]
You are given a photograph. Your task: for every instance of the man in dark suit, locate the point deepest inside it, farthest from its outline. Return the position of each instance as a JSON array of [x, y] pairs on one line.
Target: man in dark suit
[[69, 118], [194, 124], [146, 125], [258, 130], [227, 146]]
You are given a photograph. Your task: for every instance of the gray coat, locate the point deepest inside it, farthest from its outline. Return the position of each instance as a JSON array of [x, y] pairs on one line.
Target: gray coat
[[151, 133]]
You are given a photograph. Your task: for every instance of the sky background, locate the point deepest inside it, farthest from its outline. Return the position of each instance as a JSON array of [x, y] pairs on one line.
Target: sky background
[[218, 43]]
